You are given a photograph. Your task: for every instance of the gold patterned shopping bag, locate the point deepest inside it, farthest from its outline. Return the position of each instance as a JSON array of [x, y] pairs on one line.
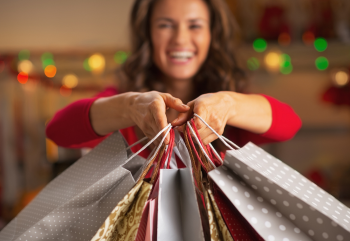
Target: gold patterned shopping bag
[[122, 224], [215, 213], [215, 234]]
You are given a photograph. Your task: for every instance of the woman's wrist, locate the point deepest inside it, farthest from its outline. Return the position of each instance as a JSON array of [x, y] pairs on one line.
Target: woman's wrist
[[249, 112], [109, 114]]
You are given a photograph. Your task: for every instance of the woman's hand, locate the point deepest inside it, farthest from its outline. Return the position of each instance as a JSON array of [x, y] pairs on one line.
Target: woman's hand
[[147, 111], [249, 112], [214, 108]]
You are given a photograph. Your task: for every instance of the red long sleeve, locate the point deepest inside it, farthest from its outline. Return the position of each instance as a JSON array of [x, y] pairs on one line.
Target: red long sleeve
[[71, 127], [285, 124]]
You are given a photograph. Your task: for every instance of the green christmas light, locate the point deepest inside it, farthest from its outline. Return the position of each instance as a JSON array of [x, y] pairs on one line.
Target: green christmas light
[[253, 64], [23, 55], [86, 65], [286, 66], [120, 57], [321, 63], [285, 59], [320, 44], [47, 62], [260, 45]]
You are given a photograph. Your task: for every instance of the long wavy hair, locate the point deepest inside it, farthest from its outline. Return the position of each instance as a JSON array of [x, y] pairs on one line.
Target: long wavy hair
[[219, 71]]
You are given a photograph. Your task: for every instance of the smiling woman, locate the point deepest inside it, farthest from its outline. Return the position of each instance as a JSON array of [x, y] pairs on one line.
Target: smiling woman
[[204, 31], [182, 52]]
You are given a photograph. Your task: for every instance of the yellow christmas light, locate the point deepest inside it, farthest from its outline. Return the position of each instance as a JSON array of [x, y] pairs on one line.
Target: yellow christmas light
[[25, 66], [70, 81], [97, 63], [341, 78], [273, 61]]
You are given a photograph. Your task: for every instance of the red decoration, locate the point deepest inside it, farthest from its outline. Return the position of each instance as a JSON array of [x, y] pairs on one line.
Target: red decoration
[[273, 23], [337, 95]]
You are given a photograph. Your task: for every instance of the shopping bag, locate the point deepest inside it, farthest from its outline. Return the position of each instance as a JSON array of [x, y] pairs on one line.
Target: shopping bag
[[73, 205], [215, 232], [148, 226], [277, 201], [178, 212], [224, 232], [124, 221]]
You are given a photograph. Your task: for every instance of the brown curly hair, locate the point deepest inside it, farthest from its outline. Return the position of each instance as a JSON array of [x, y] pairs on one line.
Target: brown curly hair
[[219, 71]]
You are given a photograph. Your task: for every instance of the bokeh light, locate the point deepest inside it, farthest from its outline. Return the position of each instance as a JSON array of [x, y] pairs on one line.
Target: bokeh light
[[286, 66], [120, 57], [86, 65], [97, 63], [25, 66], [321, 63], [308, 38], [23, 55], [341, 78], [260, 45], [286, 60], [272, 61], [22, 77], [70, 81], [48, 62], [253, 64], [284, 39], [320, 44], [50, 71], [65, 91]]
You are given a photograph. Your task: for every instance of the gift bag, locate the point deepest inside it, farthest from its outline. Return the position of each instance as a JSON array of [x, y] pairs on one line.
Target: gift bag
[[74, 205], [178, 212], [124, 221], [277, 201]]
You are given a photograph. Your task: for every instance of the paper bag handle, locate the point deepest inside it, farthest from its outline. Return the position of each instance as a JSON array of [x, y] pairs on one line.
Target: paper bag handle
[[222, 138], [167, 129]]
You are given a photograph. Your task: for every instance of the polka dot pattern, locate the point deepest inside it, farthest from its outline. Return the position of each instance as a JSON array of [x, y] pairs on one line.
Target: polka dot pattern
[[259, 212], [302, 202], [75, 204]]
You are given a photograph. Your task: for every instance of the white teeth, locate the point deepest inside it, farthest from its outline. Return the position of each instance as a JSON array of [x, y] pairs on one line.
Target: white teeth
[[181, 54]]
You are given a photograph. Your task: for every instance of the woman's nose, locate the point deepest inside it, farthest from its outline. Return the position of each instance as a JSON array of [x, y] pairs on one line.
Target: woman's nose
[[181, 35]]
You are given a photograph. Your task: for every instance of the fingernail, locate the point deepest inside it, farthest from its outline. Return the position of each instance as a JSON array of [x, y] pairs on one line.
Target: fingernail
[[186, 106]]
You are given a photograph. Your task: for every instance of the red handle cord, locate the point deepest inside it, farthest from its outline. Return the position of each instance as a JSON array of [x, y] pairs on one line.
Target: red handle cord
[[207, 148], [194, 148]]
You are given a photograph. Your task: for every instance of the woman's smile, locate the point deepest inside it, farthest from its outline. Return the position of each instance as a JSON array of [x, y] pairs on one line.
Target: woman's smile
[[181, 57]]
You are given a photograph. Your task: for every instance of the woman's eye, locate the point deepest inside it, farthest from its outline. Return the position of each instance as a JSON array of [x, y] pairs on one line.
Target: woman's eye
[[195, 26], [164, 25]]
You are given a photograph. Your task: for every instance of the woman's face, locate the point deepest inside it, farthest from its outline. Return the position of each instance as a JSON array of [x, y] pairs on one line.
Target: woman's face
[[180, 32]]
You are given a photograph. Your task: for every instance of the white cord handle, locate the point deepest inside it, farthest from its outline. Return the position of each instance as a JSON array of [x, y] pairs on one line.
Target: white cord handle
[[143, 139], [167, 129], [199, 144], [216, 154], [222, 138]]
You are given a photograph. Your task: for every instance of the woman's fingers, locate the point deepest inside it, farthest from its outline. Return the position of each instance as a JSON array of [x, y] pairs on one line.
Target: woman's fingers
[[174, 103], [184, 116], [157, 109]]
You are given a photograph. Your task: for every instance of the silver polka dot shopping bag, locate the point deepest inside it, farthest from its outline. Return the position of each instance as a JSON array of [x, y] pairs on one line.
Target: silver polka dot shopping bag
[[276, 200], [75, 204]]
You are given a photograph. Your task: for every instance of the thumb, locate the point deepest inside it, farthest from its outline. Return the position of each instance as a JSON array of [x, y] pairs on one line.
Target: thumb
[[185, 116], [174, 103]]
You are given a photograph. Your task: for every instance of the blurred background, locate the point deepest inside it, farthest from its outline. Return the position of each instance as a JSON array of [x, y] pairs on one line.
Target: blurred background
[[55, 52]]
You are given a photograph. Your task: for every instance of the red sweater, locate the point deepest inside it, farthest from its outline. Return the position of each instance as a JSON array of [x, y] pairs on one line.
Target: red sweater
[[71, 127]]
